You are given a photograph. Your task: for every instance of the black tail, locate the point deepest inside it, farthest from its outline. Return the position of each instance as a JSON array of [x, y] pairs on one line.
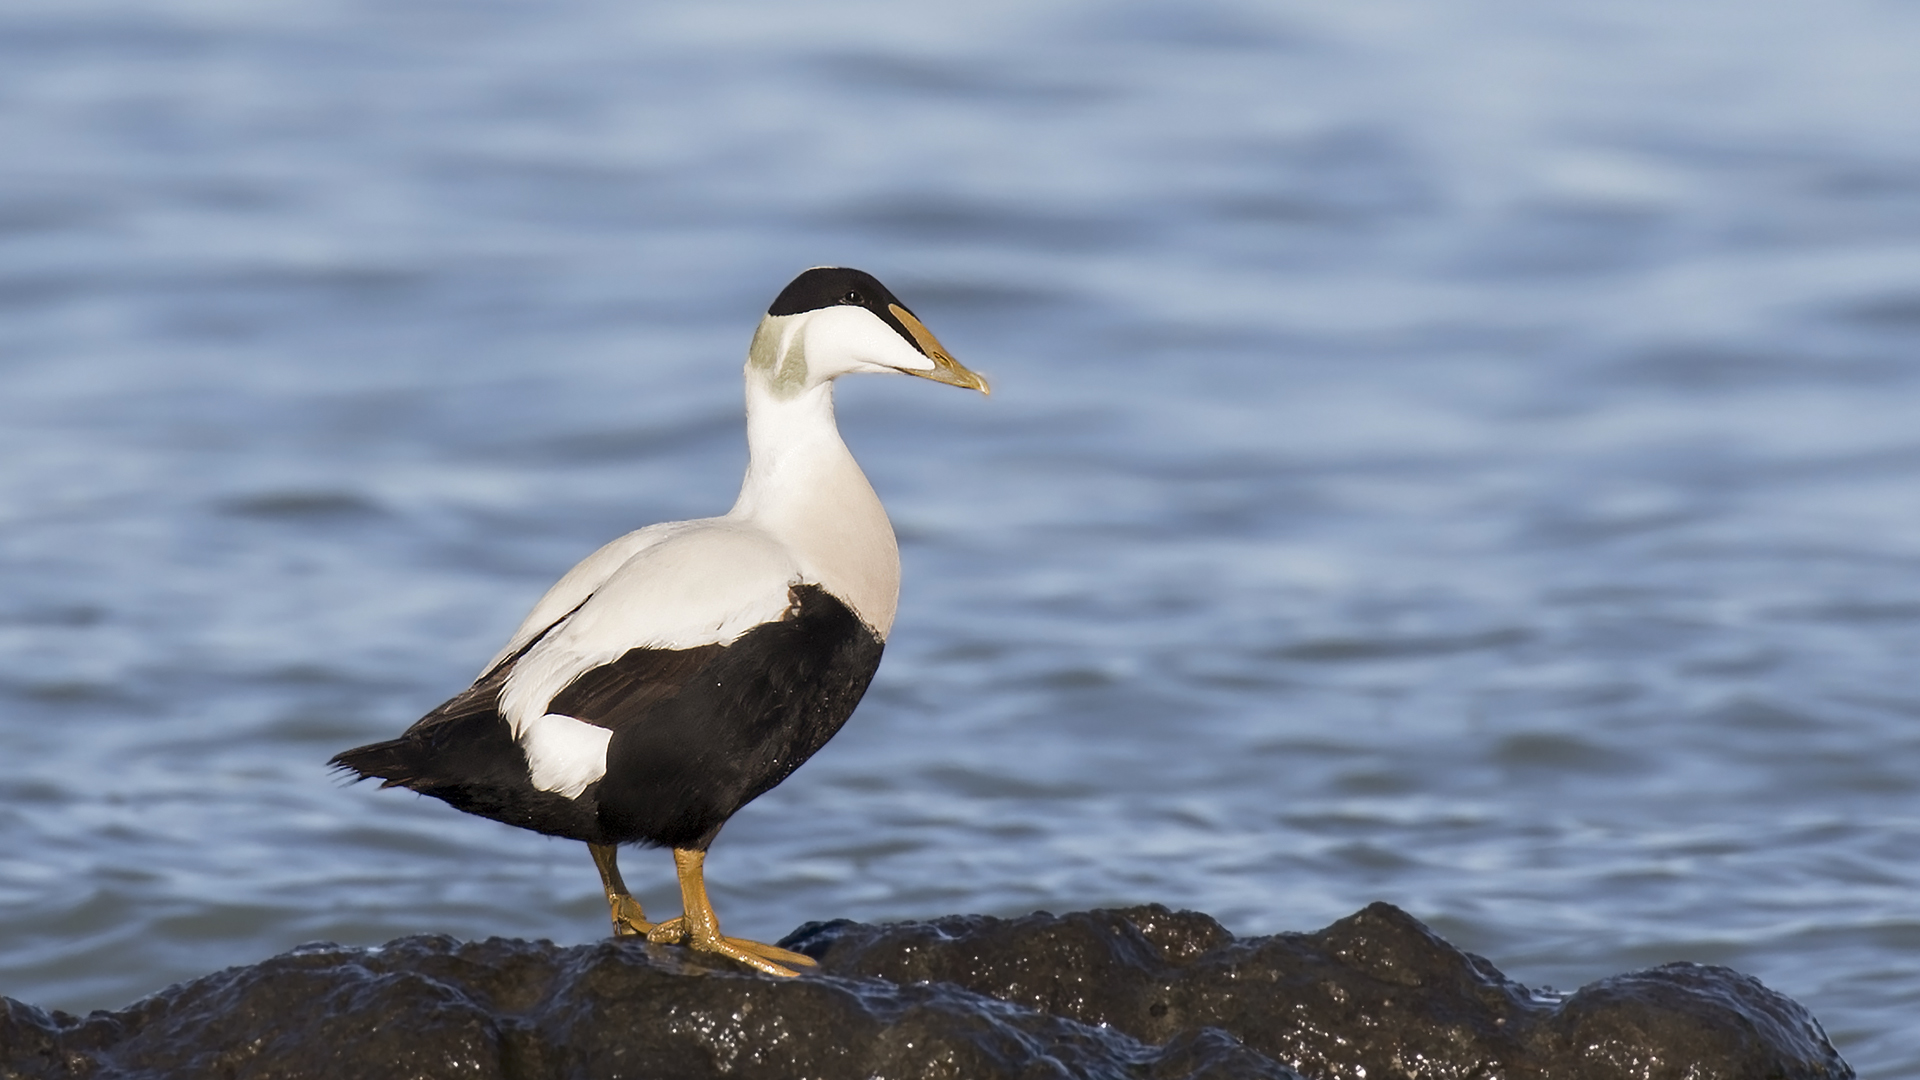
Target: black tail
[[464, 740], [397, 762], [468, 758], [449, 750]]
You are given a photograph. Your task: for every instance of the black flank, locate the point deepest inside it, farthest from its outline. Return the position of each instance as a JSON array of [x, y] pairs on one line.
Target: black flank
[[617, 694], [763, 706]]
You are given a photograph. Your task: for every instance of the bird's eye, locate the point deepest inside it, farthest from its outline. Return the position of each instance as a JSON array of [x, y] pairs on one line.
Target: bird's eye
[[853, 297]]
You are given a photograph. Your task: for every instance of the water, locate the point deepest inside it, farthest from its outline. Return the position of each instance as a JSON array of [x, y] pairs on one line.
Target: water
[[1464, 457]]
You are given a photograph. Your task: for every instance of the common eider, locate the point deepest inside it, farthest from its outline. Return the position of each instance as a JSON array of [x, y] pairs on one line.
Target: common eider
[[684, 669]]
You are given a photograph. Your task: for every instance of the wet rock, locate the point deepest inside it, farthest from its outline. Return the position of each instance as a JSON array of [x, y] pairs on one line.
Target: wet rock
[[1141, 993], [1376, 994]]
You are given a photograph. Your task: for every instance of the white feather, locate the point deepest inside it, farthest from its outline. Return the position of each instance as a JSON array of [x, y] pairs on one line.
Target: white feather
[[579, 583], [565, 755]]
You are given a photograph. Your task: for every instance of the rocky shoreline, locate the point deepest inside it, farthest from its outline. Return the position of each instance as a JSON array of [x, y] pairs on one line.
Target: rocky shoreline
[[1138, 993]]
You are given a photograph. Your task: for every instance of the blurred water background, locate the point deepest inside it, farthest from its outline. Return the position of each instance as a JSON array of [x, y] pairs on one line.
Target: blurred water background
[[1464, 455]]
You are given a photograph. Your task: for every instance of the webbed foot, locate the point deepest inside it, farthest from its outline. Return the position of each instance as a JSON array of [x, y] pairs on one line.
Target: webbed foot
[[699, 927], [629, 919]]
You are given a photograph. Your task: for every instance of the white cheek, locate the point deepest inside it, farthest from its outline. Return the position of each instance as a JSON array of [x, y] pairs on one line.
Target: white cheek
[[855, 339]]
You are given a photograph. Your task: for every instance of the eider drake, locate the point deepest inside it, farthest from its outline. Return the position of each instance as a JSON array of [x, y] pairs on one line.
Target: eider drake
[[685, 669]]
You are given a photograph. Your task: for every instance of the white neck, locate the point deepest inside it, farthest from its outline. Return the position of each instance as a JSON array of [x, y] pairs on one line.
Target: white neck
[[803, 487]]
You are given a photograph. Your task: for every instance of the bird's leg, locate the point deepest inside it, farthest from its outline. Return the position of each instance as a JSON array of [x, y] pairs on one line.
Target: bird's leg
[[628, 919], [700, 928]]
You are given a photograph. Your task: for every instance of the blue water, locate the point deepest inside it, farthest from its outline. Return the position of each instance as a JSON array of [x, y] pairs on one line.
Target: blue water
[[1460, 455]]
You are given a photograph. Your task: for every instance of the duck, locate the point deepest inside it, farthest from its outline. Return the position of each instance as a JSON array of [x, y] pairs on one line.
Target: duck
[[685, 669]]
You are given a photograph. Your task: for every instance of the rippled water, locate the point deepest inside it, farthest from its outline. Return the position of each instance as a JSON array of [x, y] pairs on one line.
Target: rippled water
[[1467, 457]]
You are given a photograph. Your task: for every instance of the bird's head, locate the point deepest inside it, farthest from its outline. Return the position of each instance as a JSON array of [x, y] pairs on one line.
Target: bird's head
[[835, 320]]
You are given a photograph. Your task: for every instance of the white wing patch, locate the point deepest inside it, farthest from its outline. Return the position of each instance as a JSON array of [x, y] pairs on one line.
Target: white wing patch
[[564, 754], [701, 583]]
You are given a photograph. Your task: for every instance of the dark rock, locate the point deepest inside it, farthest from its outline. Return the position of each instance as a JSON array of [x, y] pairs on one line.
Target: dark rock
[[1141, 993], [1376, 991]]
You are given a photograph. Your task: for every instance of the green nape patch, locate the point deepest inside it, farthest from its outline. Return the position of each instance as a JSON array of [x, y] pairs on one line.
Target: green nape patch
[[785, 371]]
